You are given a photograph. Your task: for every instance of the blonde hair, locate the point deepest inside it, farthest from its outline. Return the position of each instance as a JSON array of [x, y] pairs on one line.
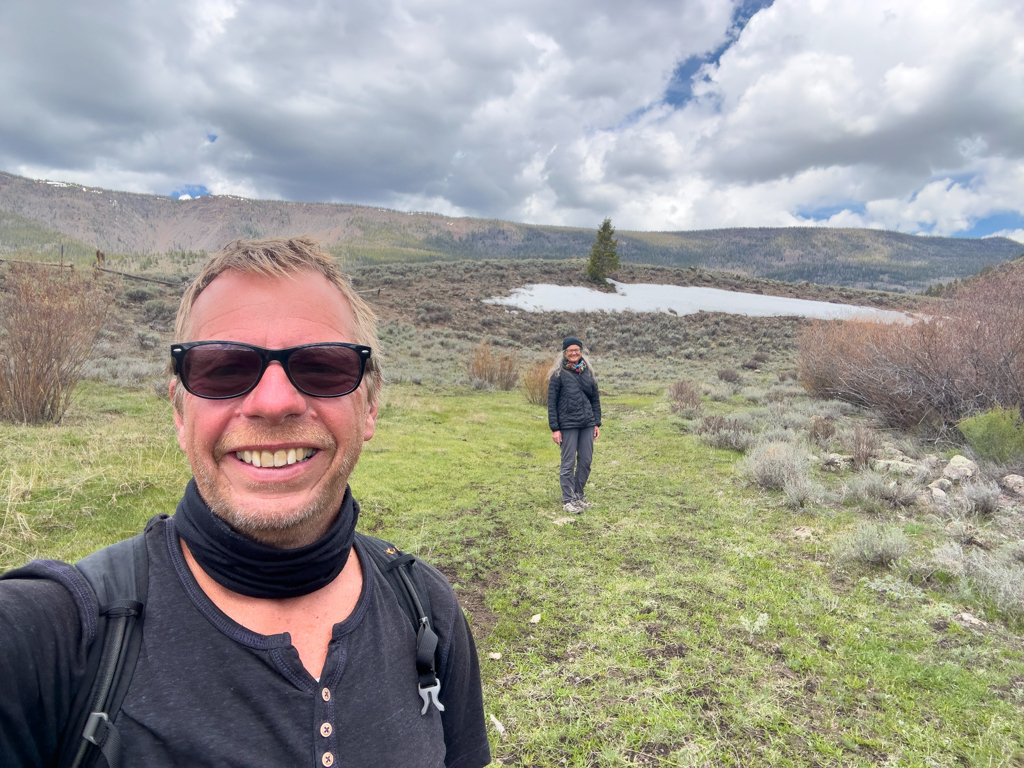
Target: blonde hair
[[560, 358], [281, 257]]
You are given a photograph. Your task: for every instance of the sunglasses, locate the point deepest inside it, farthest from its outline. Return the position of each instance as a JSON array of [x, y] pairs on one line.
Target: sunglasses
[[219, 370]]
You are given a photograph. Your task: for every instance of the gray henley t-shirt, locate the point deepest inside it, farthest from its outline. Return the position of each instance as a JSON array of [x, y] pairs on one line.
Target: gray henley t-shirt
[[209, 692]]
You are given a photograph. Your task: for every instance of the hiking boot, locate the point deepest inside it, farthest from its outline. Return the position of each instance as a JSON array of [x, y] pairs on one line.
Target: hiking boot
[[572, 508], [582, 502]]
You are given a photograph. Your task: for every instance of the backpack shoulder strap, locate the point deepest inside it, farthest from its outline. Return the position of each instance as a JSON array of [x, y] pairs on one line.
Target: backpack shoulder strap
[[119, 574], [397, 569]]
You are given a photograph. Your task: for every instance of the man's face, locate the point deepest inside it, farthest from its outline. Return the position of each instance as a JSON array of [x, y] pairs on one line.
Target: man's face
[[573, 353], [270, 502]]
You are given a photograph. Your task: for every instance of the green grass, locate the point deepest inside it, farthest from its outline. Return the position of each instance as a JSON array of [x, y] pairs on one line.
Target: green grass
[[682, 621]]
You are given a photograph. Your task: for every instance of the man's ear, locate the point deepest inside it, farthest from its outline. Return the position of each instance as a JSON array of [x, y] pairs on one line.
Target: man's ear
[[179, 420], [371, 420]]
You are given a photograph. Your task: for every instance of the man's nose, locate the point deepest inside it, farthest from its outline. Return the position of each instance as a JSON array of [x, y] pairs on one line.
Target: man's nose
[[275, 397]]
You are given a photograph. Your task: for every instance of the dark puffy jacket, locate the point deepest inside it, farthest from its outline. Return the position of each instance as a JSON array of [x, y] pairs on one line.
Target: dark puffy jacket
[[573, 401]]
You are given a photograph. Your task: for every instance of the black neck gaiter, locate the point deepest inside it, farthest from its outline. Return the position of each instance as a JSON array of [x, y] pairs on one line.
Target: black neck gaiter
[[259, 570]]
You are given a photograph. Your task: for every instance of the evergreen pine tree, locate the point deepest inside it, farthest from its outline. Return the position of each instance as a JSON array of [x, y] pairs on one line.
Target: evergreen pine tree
[[604, 258]]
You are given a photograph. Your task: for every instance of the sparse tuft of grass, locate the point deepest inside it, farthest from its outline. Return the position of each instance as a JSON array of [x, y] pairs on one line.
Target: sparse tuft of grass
[[772, 465], [873, 544]]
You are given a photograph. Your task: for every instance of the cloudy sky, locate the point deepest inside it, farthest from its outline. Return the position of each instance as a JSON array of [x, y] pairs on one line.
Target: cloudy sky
[[684, 114]]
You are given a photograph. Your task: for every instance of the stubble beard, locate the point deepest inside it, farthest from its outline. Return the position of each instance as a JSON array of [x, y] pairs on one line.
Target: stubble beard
[[303, 524]]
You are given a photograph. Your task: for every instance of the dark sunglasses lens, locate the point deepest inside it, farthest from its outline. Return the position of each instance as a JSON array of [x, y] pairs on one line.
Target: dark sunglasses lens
[[325, 371], [220, 370]]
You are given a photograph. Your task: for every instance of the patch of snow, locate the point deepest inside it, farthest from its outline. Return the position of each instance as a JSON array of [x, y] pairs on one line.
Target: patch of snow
[[682, 300]]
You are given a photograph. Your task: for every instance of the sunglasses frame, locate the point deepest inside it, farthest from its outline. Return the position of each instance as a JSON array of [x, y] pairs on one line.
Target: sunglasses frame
[[267, 356]]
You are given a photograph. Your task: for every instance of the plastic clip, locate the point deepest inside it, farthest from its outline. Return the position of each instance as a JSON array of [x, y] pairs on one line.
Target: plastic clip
[[428, 694], [93, 724]]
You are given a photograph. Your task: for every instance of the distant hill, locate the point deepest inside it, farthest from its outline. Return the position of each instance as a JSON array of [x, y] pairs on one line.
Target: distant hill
[[128, 223]]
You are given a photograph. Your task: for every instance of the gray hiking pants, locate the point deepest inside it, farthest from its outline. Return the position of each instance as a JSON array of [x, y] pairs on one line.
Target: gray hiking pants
[[577, 453]]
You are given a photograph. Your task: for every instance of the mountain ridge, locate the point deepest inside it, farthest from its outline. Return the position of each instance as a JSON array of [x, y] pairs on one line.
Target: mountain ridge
[[135, 223]]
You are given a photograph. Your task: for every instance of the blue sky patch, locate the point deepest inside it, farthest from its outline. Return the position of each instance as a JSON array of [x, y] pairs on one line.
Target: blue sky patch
[[680, 86], [194, 190], [991, 224], [823, 212], [211, 137]]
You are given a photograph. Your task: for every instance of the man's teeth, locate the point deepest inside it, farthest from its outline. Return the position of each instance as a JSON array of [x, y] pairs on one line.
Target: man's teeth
[[276, 459]]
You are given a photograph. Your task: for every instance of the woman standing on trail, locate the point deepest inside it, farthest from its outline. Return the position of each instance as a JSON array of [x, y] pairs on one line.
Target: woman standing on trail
[[574, 415]]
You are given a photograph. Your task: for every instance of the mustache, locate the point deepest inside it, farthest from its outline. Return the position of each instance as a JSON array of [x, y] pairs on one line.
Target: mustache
[[251, 435]]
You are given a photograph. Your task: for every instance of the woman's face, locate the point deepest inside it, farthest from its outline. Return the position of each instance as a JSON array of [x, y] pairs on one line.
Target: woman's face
[[573, 353]]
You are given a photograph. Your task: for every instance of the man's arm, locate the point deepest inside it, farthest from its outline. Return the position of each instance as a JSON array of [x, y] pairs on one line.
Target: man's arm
[[465, 728], [42, 655]]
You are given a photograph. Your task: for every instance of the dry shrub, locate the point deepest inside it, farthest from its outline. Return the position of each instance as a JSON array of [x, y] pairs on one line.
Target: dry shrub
[[685, 396], [866, 443], [535, 383], [876, 493], [873, 544], [49, 320], [490, 367], [734, 433], [800, 492], [729, 375], [979, 498], [821, 430], [965, 357], [750, 365], [760, 356], [776, 465], [997, 578]]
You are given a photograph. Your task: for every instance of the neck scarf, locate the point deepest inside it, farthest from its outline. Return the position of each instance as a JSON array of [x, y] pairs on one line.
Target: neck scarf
[[259, 570], [579, 367]]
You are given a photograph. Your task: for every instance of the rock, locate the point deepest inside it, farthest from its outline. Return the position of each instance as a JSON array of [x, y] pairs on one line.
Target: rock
[[960, 468], [564, 520], [942, 484], [938, 494], [535, 619], [893, 466], [836, 462], [1014, 484], [803, 532], [498, 726], [923, 499], [494, 655]]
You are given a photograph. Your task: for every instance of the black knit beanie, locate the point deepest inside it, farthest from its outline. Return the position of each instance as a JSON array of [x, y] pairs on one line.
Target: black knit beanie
[[568, 341]]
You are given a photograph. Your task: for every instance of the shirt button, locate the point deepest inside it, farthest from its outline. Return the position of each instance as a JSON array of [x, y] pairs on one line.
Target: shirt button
[[326, 693], [325, 730], [327, 759]]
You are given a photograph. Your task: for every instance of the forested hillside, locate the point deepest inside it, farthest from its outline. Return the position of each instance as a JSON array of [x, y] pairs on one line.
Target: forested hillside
[[36, 216]]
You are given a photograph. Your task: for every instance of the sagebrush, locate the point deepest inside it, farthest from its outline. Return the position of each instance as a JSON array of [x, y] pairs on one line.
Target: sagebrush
[[493, 367], [534, 381], [50, 318], [965, 356]]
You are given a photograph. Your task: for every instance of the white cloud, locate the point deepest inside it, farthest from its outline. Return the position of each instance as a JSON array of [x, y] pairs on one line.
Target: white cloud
[[837, 113], [1012, 234]]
